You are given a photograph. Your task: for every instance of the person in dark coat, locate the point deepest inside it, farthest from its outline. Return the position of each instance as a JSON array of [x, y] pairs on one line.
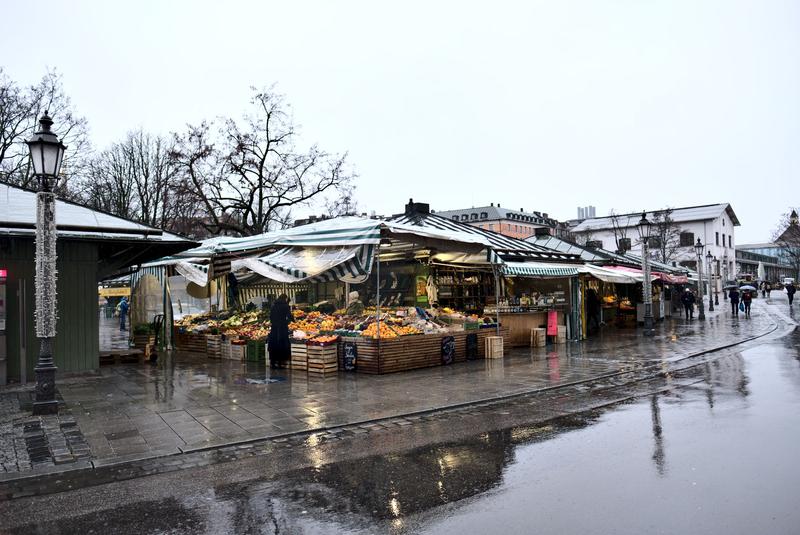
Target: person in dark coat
[[593, 309], [687, 298], [747, 300], [280, 315], [790, 289], [733, 295]]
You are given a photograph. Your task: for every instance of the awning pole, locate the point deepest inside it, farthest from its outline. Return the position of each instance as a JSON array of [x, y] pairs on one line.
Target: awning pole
[[497, 297], [378, 292]]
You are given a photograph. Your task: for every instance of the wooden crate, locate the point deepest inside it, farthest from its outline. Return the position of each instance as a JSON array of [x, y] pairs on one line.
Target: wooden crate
[[214, 346], [299, 359], [494, 347], [561, 338], [322, 359], [190, 342], [538, 337], [141, 341], [237, 352]]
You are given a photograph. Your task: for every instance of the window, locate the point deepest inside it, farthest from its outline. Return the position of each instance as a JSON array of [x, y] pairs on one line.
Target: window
[[594, 244], [730, 241], [455, 218], [723, 240], [474, 216], [624, 244], [687, 239], [484, 215], [464, 217], [723, 222], [717, 233]]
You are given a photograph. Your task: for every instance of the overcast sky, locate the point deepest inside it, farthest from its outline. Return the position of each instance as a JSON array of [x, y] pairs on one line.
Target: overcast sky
[[539, 105]]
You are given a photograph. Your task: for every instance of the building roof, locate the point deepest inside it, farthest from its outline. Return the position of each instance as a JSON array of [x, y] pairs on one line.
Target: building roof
[[495, 213], [766, 245], [679, 215], [18, 218]]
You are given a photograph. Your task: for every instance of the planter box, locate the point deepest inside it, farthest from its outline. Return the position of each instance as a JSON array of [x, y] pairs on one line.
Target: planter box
[[141, 341]]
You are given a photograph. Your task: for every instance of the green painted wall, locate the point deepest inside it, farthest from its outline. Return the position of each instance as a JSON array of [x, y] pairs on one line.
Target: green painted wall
[[77, 342]]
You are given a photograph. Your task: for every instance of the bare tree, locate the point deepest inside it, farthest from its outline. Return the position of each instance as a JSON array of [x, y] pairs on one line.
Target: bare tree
[[20, 110], [787, 238], [666, 234], [250, 178], [620, 225]]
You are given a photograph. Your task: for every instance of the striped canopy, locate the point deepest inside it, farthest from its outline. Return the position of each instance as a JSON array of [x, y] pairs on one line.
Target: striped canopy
[[539, 269], [316, 264]]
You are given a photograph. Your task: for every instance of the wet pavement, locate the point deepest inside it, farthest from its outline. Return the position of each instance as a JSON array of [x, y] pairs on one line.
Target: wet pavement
[[185, 403], [709, 446]]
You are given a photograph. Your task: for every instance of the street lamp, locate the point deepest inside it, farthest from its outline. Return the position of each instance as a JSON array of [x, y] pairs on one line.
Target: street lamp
[[725, 275], [46, 153], [709, 258], [698, 247], [647, 285], [716, 281]]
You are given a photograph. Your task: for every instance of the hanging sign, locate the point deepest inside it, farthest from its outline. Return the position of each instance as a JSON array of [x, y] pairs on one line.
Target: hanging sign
[[552, 323], [448, 350], [350, 353]]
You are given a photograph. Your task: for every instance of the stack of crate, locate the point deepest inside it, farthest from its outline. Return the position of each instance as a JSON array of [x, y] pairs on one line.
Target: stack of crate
[[299, 356], [322, 359], [238, 351], [538, 337], [561, 338], [214, 346], [494, 347]]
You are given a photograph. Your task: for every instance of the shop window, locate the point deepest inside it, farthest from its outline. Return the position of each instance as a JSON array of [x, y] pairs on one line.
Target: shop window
[[687, 239]]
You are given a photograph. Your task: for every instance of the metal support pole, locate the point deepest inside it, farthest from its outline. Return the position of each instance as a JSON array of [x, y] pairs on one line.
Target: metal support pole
[[702, 309], [647, 290], [45, 370], [497, 296], [716, 283], [725, 279], [710, 282], [378, 291]]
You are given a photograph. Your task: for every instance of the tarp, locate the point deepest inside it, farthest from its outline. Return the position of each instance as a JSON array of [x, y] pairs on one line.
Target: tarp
[[296, 264], [196, 273], [609, 275]]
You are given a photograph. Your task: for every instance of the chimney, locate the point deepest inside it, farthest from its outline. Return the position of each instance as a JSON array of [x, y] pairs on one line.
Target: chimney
[[417, 207], [522, 209], [545, 216], [491, 204]]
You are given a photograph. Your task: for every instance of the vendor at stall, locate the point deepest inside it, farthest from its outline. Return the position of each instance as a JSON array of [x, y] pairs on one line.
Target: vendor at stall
[[354, 307]]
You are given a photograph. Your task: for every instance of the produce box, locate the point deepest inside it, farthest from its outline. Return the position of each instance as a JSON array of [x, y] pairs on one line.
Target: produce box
[[256, 351], [471, 325], [225, 349], [322, 359], [299, 360], [238, 351], [494, 347], [214, 346]]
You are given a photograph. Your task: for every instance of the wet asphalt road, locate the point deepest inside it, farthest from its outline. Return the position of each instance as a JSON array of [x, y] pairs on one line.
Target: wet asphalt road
[[713, 449]]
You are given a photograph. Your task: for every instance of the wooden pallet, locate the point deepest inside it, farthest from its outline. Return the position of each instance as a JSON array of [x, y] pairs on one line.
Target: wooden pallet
[[122, 356]]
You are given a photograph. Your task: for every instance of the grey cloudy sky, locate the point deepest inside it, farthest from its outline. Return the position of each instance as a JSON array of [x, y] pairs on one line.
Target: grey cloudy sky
[[541, 105]]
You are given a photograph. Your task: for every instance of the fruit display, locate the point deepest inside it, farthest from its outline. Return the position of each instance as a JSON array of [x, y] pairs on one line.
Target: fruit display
[[324, 339]]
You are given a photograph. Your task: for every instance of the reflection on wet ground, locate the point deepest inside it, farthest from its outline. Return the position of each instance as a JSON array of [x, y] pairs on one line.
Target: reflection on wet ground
[[184, 402], [709, 449]]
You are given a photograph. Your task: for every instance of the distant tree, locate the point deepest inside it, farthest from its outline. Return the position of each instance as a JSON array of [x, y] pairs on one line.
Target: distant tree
[[787, 238], [620, 225], [666, 236], [248, 175], [20, 110]]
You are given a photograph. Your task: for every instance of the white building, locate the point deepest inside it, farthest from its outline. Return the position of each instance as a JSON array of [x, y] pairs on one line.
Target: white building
[[714, 224]]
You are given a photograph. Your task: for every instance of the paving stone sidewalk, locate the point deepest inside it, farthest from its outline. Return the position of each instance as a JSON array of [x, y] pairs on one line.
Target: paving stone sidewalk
[[188, 403]]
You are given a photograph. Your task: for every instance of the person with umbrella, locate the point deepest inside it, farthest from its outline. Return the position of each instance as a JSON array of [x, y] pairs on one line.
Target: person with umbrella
[[733, 295], [747, 300], [687, 298]]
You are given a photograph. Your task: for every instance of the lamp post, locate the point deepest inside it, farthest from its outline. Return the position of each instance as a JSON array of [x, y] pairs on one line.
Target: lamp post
[[709, 258], [725, 275], [46, 153], [698, 247], [647, 284], [716, 281]]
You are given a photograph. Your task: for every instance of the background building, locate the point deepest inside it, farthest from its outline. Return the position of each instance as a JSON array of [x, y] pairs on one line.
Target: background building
[[513, 223], [714, 224]]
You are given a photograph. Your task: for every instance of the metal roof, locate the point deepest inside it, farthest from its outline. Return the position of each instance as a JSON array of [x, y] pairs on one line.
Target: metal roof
[[679, 215], [503, 245], [18, 218], [494, 213]]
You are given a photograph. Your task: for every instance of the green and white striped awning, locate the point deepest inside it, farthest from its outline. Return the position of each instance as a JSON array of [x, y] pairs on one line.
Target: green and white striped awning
[[539, 269], [315, 264]]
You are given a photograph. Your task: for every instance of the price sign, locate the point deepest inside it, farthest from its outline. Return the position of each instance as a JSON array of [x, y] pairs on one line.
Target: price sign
[[350, 352]]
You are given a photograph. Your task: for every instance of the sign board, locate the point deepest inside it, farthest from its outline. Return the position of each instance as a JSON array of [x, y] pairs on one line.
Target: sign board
[[114, 292], [350, 354], [448, 350], [552, 323], [472, 346]]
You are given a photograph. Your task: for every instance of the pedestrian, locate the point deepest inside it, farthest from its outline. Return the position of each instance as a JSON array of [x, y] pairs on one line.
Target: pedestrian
[[593, 310], [790, 289], [763, 289], [280, 315], [733, 295], [688, 303], [747, 300], [769, 288], [123, 312]]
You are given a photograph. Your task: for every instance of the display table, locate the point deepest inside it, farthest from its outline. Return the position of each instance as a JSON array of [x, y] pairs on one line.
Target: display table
[[390, 355], [520, 324]]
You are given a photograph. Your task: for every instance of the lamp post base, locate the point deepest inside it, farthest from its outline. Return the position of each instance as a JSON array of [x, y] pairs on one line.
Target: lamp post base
[[45, 394], [648, 326]]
